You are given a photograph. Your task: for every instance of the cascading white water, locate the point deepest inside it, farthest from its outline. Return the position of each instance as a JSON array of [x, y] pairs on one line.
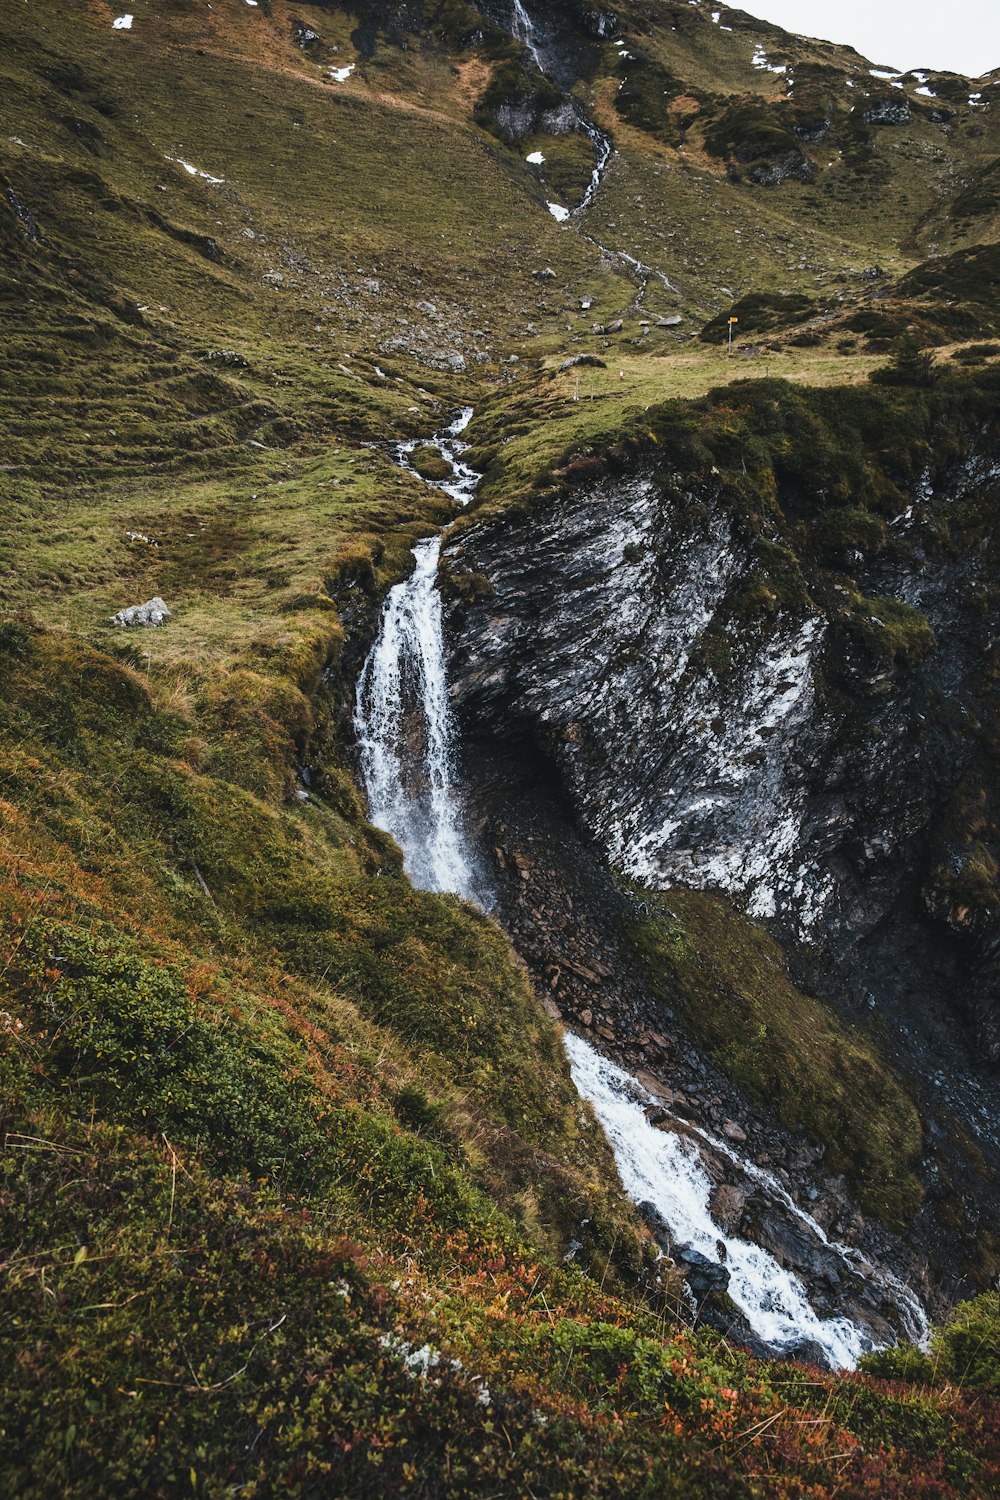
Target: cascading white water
[[664, 1168], [524, 32], [603, 151], [402, 715], [405, 673], [406, 736]]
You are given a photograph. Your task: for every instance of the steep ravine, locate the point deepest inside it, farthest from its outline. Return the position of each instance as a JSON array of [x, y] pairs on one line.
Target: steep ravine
[[758, 1266], [611, 675]]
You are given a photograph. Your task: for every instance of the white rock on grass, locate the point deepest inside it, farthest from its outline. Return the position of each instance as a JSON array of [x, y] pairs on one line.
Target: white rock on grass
[[153, 612]]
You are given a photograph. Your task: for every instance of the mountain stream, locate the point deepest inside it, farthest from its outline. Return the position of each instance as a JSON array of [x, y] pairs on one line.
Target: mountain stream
[[523, 30], [402, 716], [407, 741]]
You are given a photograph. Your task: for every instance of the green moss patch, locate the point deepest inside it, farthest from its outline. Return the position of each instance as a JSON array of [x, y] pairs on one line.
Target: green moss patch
[[760, 312], [728, 982]]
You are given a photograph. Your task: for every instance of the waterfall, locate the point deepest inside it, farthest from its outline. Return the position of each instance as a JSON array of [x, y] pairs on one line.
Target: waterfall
[[406, 736], [524, 32], [402, 715], [664, 1168]]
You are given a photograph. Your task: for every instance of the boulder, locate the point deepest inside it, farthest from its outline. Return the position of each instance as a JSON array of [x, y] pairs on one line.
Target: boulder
[[791, 167], [153, 612], [583, 359], [303, 36], [813, 130], [726, 1205], [653, 1086], [704, 1277], [808, 1352]]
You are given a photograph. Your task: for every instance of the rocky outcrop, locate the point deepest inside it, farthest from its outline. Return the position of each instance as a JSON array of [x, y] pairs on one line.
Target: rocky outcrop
[[791, 167], [153, 612], [889, 112], [26, 220], [594, 638], [800, 752]]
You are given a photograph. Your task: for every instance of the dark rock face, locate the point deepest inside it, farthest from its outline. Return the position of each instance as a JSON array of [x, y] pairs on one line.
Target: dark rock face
[[792, 167], [813, 130], [703, 1276], [601, 24], [567, 36], [889, 112], [593, 640], [710, 736]]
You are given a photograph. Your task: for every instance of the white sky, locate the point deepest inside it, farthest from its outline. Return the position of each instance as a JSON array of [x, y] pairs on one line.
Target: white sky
[[960, 35]]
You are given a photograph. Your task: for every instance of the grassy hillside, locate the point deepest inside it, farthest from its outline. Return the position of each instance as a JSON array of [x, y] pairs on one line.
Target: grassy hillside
[[297, 1195]]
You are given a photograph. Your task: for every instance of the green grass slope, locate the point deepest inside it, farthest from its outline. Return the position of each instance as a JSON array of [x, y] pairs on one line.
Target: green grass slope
[[292, 1162]]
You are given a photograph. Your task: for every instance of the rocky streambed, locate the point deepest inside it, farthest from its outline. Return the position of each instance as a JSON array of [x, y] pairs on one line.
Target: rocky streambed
[[629, 708], [543, 768]]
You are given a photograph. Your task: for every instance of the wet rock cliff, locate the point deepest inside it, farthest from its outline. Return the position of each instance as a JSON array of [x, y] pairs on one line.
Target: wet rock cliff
[[778, 686]]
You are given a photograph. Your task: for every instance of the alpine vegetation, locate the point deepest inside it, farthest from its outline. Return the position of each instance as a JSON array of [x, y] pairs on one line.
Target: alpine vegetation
[[499, 756]]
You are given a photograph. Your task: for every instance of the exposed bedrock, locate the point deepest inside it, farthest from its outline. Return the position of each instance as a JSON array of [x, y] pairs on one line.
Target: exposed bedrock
[[804, 735]]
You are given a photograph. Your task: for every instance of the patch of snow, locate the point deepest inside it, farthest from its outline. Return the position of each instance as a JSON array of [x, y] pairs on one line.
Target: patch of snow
[[536, 158], [927, 93], [194, 171], [557, 211], [884, 73], [716, 17], [122, 23], [976, 100], [341, 75], [759, 60], [252, 2]]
